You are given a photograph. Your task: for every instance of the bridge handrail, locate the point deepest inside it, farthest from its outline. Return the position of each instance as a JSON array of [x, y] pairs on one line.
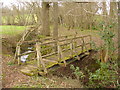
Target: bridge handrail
[[55, 41], [56, 44], [48, 38], [43, 43]]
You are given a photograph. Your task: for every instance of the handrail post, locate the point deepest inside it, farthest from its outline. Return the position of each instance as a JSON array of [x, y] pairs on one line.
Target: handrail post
[[71, 47], [18, 53], [39, 56], [82, 44], [60, 54], [55, 44], [90, 42], [74, 48], [58, 48]]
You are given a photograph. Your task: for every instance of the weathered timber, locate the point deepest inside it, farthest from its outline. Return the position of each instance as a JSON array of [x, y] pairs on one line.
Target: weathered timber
[[83, 44], [66, 48], [54, 41], [90, 42], [53, 53], [18, 53], [64, 40], [47, 55], [71, 47], [74, 50], [26, 33], [26, 53], [48, 60], [44, 39], [39, 57], [60, 54], [29, 70]]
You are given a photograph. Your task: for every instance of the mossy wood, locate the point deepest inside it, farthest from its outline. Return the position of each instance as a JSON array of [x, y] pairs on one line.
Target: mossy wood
[[67, 47]]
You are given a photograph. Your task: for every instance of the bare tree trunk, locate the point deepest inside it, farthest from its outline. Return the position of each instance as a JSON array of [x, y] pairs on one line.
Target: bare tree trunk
[[118, 27], [105, 13], [55, 17], [45, 19], [55, 29]]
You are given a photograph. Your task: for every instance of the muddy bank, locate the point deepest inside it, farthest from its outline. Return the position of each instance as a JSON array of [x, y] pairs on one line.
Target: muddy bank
[[88, 62], [8, 46]]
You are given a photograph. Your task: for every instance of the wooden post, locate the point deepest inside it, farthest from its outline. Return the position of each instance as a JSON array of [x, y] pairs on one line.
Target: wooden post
[[55, 45], [74, 49], [74, 43], [82, 44], [39, 57], [71, 47], [60, 54], [14, 60], [90, 42], [26, 33], [18, 53]]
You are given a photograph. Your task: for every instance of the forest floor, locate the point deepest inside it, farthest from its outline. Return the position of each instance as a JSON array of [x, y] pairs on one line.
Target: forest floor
[[12, 78]]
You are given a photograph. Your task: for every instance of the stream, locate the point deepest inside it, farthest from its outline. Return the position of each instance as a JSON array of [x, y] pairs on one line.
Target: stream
[[24, 57]]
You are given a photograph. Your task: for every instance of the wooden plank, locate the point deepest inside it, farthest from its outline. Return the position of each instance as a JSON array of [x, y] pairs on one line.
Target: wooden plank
[[47, 60], [47, 55], [26, 53]]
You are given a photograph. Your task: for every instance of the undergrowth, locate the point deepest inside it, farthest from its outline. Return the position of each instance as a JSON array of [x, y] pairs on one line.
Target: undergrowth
[[107, 75]]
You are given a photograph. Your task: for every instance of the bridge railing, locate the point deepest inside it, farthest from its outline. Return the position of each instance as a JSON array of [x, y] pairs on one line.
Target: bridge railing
[[57, 47], [70, 43], [18, 53]]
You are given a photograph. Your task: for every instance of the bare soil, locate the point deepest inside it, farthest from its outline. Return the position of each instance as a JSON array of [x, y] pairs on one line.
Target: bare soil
[[11, 74], [12, 77]]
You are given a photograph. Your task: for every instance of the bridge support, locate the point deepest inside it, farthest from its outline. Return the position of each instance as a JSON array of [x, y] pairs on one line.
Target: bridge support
[[39, 57], [60, 54]]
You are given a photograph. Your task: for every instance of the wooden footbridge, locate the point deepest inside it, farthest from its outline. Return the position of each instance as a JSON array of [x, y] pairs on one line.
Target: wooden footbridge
[[49, 53]]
